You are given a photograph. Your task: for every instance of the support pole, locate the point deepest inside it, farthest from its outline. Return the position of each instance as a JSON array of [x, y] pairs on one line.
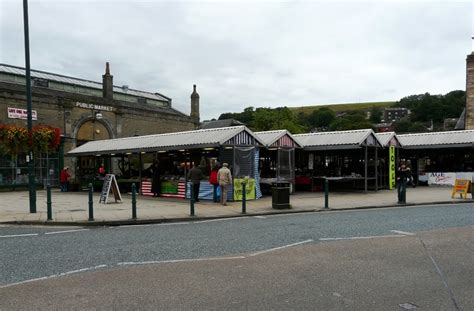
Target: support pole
[[244, 197], [365, 170], [91, 203], [134, 201], [48, 202], [192, 201], [326, 193], [31, 164]]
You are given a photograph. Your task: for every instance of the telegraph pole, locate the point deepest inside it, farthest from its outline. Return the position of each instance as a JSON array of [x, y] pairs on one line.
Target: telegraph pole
[[29, 157]]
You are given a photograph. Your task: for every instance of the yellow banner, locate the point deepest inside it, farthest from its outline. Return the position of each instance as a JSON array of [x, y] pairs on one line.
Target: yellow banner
[[249, 188], [391, 168]]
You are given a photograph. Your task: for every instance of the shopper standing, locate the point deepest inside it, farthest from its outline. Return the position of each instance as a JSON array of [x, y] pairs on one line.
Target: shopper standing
[[403, 175], [155, 178], [225, 180], [64, 178], [195, 175]]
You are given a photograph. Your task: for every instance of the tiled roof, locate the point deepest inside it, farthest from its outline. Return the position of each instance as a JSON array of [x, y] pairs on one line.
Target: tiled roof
[[437, 139], [79, 82], [169, 141], [334, 140]]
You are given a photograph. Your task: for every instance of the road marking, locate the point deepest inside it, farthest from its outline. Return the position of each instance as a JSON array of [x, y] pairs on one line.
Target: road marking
[[17, 235], [278, 248], [66, 231], [402, 232], [54, 276], [441, 275], [177, 260], [362, 237], [261, 217]]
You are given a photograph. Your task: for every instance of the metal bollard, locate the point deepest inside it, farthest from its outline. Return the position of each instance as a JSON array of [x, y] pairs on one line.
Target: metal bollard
[[192, 200], [326, 193], [91, 203], [48, 202], [134, 201], [244, 201]]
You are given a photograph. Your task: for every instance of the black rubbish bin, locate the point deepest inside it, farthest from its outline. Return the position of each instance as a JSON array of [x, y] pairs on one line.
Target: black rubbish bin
[[281, 195]]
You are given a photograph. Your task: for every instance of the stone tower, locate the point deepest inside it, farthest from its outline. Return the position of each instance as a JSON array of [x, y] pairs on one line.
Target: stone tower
[[195, 105], [107, 84], [469, 112]]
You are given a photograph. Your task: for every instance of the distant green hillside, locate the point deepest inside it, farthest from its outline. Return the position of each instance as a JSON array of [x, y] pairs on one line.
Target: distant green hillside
[[343, 107]]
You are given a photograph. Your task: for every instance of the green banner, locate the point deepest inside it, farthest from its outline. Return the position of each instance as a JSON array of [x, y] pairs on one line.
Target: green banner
[[249, 188], [391, 168]]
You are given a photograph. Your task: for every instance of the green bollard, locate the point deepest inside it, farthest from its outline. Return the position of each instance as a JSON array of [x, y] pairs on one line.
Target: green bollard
[[48, 202], [326, 193], [91, 203], [134, 201], [244, 201], [192, 200]]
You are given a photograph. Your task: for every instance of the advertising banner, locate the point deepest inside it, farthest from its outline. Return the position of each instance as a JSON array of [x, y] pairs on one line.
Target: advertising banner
[[249, 188], [391, 168]]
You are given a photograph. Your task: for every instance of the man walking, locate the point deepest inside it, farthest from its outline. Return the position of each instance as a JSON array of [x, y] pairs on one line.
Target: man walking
[[225, 180], [195, 175]]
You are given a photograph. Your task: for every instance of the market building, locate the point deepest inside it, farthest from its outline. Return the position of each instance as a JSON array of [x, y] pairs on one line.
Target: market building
[[84, 111]]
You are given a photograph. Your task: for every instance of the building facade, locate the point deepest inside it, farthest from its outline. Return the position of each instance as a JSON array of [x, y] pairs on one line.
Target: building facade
[[469, 112], [86, 110]]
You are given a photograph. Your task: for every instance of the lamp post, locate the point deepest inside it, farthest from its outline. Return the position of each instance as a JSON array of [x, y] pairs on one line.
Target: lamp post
[[29, 157]]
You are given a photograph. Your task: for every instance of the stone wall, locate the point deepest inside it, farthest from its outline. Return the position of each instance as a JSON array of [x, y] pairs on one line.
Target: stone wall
[[469, 122]]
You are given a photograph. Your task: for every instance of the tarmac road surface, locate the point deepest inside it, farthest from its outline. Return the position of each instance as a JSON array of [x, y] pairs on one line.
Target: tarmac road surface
[[431, 270]]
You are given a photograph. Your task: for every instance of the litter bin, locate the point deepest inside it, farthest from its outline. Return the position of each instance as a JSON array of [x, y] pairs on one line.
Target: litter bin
[[281, 195]]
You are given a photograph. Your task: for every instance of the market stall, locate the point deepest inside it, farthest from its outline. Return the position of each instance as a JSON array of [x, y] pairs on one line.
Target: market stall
[[388, 154], [277, 159], [438, 158], [170, 156], [347, 159]]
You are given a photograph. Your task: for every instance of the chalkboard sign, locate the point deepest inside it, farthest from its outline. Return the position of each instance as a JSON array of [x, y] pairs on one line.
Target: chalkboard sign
[[110, 183]]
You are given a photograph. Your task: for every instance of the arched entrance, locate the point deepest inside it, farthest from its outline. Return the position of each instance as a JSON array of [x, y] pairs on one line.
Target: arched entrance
[[89, 130]]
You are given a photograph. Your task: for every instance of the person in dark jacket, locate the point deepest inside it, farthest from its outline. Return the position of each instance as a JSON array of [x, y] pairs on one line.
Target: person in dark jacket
[[403, 175], [155, 178], [195, 175]]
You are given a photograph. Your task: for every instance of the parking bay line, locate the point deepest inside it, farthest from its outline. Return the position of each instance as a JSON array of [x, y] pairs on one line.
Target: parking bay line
[[18, 235], [67, 231]]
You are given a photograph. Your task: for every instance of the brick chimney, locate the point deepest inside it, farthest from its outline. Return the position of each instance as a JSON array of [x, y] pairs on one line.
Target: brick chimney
[[469, 113], [107, 84], [195, 105]]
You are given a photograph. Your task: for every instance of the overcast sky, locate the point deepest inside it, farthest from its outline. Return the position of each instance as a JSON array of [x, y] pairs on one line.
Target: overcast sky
[[249, 53]]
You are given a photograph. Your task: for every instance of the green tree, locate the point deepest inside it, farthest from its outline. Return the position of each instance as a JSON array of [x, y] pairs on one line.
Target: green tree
[[375, 114], [353, 120], [321, 118]]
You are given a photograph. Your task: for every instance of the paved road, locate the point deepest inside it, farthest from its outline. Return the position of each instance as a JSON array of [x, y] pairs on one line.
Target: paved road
[[34, 252]]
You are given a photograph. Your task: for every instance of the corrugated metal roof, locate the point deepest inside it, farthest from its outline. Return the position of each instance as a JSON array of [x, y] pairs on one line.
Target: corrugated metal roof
[[385, 137], [168, 141], [80, 82], [270, 137], [437, 139], [334, 140]]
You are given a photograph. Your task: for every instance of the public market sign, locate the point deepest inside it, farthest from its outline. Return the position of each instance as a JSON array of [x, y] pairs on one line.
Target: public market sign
[[94, 106], [18, 113]]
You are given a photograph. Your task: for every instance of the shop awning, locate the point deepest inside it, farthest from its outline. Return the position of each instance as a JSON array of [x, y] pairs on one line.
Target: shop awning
[[429, 140], [208, 138], [339, 140], [387, 139], [277, 138]]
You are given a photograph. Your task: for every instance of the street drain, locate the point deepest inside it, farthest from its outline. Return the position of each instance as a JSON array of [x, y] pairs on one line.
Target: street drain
[[407, 306]]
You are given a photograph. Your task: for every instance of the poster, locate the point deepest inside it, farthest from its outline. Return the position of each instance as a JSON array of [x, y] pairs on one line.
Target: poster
[[391, 168], [249, 188]]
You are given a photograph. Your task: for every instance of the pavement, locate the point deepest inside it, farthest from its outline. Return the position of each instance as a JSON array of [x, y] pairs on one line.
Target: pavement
[[72, 208]]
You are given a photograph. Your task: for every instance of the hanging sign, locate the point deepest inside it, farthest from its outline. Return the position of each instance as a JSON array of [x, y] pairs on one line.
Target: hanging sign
[[18, 113], [463, 187], [110, 183], [391, 168]]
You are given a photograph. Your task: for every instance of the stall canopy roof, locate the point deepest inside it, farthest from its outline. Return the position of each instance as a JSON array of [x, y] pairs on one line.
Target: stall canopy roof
[[169, 141], [337, 140], [385, 138], [271, 137], [437, 139]]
